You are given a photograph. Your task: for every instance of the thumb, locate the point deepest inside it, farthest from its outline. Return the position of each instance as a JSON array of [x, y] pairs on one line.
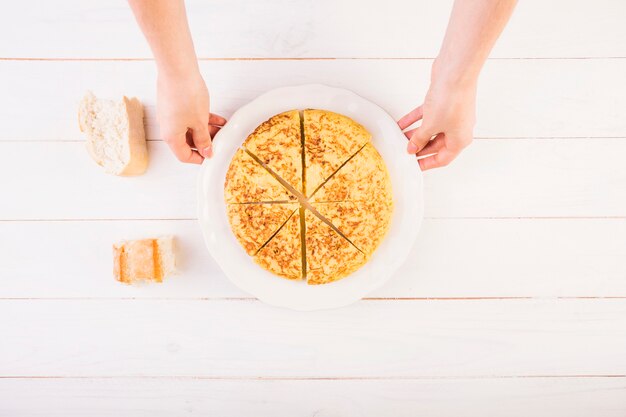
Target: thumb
[[419, 139], [202, 140]]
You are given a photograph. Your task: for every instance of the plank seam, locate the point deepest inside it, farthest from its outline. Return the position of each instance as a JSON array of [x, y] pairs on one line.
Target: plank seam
[[312, 378], [346, 58]]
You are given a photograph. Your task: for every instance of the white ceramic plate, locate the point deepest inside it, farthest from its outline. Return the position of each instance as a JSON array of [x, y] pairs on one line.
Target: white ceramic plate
[[406, 179]]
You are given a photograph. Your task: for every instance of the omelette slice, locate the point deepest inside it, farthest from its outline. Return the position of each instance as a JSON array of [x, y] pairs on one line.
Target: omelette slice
[[254, 224], [282, 255], [329, 140], [362, 178], [277, 142], [329, 256], [364, 223], [249, 182]]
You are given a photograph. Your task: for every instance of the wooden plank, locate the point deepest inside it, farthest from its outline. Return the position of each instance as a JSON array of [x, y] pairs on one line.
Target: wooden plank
[[493, 178], [540, 397], [455, 258], [519, 98], [370, 338], [298, 28]]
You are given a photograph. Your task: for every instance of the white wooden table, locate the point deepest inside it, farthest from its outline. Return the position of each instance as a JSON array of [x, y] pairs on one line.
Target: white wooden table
[[514, 301]]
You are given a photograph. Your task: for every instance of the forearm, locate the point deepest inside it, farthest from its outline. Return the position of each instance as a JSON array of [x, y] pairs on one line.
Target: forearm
[[474, 27], [164, 24]]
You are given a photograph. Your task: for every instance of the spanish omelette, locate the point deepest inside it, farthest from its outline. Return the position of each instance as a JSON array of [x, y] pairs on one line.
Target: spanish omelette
[[308, 196]]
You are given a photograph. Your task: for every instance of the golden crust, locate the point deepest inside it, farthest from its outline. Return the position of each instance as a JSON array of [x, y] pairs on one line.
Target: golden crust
[[329, 140], [282, 255], [364, 223], [356, 197], [249, 182], [329, 257], [254, 224], [141, 259], [278, 143], [363, 178]]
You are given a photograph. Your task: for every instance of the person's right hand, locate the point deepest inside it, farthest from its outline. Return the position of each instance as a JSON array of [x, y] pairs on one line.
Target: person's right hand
[[183, 112]]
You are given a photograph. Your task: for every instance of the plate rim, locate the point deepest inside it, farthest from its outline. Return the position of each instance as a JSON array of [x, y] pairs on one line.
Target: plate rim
[[333, 300]]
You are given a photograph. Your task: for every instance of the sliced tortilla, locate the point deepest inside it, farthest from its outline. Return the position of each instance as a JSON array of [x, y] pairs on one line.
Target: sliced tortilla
[[282, 255], [329, 140], [254, 224], [249, 182], [364, 223], [362, 178], [278, 144], [329, 257]]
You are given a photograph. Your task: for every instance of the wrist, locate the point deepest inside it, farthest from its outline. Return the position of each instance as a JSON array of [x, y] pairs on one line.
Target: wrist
[[178, 70], [451, 75]]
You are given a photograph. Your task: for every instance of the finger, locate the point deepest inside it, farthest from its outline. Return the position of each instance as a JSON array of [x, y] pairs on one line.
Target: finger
[[433, 146], [217, 120], [440, 159], [183, 151], [213, 130], [409, 133], [202, 140], [410, 118], [419, 139]]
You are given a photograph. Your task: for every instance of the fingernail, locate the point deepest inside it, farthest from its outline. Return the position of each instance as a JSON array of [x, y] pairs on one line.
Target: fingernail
[[412, 148], [207, 152]]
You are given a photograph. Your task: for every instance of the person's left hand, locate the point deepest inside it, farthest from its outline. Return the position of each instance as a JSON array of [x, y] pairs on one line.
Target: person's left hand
[[448, 117]]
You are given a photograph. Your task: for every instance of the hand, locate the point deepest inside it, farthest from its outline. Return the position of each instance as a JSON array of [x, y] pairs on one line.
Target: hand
[[448, 117], [184, 118]]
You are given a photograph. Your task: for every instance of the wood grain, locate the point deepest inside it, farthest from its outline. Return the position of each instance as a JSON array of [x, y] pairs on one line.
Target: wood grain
[[539, 397], [519, 98], [493, 178], [453, 258], [370, 338], [299, 28], [535, 208]]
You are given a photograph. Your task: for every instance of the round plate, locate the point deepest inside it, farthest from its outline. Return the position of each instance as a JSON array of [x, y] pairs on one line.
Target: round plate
[[406, 180]]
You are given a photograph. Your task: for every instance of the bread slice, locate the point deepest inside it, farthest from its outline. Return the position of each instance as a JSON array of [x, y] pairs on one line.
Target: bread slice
[[115, 135], [144, 259]]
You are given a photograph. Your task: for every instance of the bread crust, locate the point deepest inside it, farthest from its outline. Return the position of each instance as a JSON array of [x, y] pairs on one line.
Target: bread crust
[[138, 161], [143, 259]]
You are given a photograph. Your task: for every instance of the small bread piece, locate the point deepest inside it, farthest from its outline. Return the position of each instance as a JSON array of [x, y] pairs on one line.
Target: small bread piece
[[278, 143], [330, 139], [362, 178], [248, 182], [115, 135], [144, 259], [282, 255], [254, 224], [329, 256], [364, 223]]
